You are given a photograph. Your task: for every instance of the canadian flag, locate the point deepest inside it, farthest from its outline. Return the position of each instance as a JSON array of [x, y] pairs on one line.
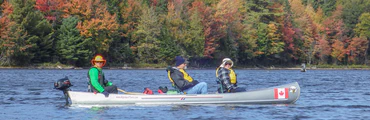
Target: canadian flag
[[281, 93]]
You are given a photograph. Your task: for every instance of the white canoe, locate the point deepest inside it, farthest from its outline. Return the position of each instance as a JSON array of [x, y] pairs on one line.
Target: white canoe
[[283, 94]]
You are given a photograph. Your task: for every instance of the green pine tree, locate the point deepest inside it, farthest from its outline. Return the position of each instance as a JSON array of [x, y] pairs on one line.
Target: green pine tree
[[147, 34], [168, 47], [351, 12], [71, 47], [194, 36], [38, 30]]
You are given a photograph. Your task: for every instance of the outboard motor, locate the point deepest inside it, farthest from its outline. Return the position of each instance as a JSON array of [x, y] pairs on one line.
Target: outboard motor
[[63, 85]]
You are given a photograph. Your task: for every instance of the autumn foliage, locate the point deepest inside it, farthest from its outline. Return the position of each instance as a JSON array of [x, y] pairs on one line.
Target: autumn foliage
[[263, 32]]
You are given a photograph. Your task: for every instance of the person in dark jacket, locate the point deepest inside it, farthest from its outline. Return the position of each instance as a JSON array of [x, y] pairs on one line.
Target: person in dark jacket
[[183, 81], [97, 81], [227, 77]]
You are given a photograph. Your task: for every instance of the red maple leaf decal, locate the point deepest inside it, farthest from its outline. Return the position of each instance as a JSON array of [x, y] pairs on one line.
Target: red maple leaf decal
[[281, 93]]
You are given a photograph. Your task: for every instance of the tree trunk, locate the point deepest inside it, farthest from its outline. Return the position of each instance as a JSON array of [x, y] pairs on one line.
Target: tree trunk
[[366, 53]]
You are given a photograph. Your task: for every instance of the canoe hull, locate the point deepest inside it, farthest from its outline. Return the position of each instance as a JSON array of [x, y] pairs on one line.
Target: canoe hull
[[284, 94]]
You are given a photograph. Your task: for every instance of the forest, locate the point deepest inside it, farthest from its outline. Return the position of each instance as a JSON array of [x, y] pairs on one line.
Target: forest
[[153, 32]]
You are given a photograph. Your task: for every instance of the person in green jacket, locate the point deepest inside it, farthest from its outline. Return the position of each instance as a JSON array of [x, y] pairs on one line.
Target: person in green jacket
[[97, 81]]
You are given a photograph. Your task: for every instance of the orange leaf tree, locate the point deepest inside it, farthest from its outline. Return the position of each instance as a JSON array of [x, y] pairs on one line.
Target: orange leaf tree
[[205, 14], [334, 29], [322, 49], [98, 26], [229, 28], [338, 51], [357, 50]]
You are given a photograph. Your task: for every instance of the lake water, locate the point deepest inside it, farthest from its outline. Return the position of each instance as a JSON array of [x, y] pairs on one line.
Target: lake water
[[325, 94]]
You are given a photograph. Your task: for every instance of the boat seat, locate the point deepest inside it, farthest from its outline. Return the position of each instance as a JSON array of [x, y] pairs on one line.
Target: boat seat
[[88, 87], [177, 89], [220, 84]]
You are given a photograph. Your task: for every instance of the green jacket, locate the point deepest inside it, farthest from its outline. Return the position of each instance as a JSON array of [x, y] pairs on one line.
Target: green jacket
[[97, 79]]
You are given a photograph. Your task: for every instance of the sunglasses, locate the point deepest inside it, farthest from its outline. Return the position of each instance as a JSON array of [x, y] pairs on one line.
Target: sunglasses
[[227, 63], [99, 62]]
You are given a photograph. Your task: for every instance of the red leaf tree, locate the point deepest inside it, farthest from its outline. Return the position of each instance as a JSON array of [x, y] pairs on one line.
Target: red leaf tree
[[50, 8]]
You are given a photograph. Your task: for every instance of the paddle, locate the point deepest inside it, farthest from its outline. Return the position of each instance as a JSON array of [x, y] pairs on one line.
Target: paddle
[[133, 93]]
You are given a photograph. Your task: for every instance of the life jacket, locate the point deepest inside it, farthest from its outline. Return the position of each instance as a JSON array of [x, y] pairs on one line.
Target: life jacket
[[101, 79], [232, 75], [171, 80], [186, 77], [217, 71], [169, 77]]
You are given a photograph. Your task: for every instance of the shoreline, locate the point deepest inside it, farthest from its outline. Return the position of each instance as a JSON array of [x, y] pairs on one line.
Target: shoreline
[[190, 68]]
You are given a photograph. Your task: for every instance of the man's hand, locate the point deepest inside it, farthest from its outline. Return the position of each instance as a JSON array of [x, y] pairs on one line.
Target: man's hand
[[106, 94], [105, 81], [195, 82], [231, 89]]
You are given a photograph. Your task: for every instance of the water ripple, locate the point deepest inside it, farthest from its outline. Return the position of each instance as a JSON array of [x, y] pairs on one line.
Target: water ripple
[[325, 94]]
